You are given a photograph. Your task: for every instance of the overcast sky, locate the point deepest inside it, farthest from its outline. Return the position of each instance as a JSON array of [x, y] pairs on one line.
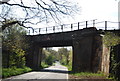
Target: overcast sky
[[102, 10], [93, 9], [99, 9]]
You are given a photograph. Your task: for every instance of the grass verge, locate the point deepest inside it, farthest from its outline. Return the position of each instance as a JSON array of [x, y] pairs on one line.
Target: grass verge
[[69, 67], [87, 75], [7, 72], [44, 65]]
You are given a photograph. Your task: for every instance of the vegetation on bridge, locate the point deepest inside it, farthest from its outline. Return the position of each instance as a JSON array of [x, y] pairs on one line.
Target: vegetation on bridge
[[112, 41]]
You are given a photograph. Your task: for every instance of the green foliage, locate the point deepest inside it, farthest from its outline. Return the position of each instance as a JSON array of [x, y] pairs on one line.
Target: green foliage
[[7, 72], [17, 58], [13, 37], [14, 46], [114, 65], [69, 66], [48, 57], [70, 61], [44, 65], [111, 39], [63, 56], [49, 60]]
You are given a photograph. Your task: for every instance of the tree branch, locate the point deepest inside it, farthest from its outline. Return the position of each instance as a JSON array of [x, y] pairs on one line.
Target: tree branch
[[9, 24], [40, 10]]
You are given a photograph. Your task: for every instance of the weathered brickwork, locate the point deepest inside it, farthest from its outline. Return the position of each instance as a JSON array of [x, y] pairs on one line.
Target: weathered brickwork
[[87, 46], [97, 53]]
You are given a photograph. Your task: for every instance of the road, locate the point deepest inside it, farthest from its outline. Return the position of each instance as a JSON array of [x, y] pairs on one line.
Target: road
[[56, 72]]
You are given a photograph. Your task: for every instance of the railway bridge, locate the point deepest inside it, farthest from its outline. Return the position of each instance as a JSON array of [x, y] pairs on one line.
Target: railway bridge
[[87, 44]]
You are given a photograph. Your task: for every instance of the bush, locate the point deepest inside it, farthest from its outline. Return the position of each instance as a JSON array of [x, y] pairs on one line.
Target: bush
[[112, 41], [44, 65], [115, 64], [49, 60], [7, 72], [14, 45]]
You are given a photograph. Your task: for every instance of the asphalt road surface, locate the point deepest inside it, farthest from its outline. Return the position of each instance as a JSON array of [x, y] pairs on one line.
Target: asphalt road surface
[[53, 73]]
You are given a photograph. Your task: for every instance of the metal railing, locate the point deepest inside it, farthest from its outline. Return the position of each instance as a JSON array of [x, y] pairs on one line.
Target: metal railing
[[104, 25]]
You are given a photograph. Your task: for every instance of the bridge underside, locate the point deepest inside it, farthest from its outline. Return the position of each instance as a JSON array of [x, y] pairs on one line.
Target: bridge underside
[[55, 43], [87, 48]]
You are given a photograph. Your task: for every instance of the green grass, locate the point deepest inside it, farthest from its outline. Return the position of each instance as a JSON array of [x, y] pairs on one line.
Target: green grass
[[69, 67], [87, 74], [44, 65], [7, 72]]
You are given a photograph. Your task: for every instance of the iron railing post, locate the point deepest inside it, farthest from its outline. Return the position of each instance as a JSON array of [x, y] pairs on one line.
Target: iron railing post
[[33, 31], [119, 25], [62, 28], [105, 25], [71, 27], [29, 32], [54, 29], [46, 29], [78, 25], [93, 23], [39, 30], [86, 23]]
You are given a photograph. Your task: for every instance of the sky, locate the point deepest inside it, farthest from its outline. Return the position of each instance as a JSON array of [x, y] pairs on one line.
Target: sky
[[102, 10], [119, 11], [97, 9]]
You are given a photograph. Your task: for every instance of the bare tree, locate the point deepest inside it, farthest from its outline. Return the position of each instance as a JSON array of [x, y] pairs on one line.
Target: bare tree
[[26, 12]]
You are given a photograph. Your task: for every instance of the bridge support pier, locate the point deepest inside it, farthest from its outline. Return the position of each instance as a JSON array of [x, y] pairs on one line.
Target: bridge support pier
[[37, 58], [33, 57], [82, 50], [87, 53]]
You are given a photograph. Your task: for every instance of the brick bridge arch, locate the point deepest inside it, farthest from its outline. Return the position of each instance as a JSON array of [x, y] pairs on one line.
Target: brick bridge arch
[[87, 47]]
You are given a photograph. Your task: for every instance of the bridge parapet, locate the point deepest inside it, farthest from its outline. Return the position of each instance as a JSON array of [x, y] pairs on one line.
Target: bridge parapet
[[104, 25], [63, 37]]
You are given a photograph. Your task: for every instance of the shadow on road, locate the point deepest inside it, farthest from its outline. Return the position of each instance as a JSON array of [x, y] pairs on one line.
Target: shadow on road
[[54, 71]]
